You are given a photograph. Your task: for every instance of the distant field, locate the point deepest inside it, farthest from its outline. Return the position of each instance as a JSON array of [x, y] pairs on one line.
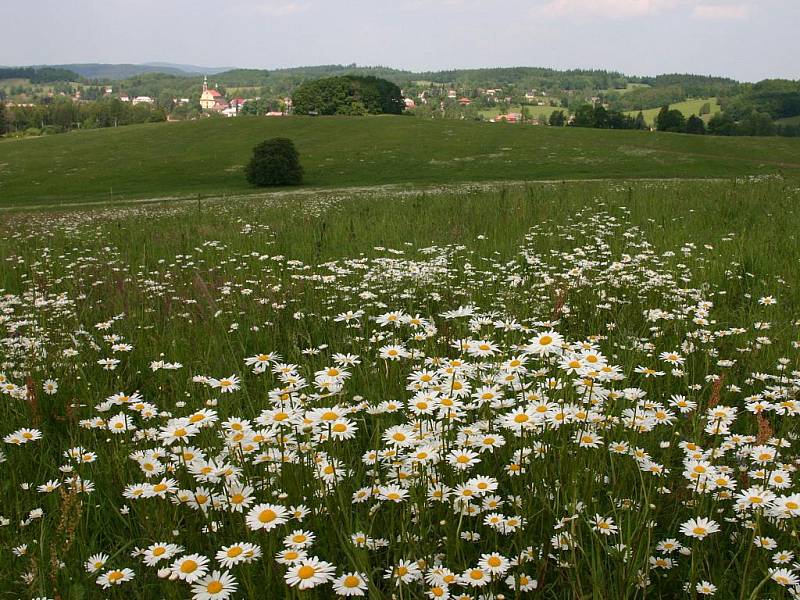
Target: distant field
[[208, 157], [687, 107], [7, 84], [629, 88], [790, 120], [536, 112], [13, 82]]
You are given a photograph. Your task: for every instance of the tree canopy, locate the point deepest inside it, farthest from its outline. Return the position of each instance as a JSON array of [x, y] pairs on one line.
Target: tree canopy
[[348, 95], [275, 162]]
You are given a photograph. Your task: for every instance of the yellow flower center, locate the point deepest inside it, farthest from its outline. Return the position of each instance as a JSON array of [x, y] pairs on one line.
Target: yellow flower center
[[267, 516], [214, 587], [306, 572], [188, 566]]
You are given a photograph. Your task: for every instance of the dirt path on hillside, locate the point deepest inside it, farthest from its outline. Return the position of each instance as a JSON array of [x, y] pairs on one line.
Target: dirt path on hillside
[[393, 187], [774, 163]]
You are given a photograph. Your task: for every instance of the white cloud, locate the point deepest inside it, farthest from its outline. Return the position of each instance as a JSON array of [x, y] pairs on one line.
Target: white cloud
[[721, 12], [607, 8], [280, 9], [626, 9]]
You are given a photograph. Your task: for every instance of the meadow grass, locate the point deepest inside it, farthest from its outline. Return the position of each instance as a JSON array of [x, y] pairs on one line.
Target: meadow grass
[[208, 157], [412, 326], [688, 107], [789, 120]]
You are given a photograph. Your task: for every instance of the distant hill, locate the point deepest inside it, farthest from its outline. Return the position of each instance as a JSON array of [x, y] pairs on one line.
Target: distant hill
[[191, 69], [106, 71]]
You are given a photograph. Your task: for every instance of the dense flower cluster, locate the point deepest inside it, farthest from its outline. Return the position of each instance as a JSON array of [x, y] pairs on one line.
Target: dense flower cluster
[[383, 426]]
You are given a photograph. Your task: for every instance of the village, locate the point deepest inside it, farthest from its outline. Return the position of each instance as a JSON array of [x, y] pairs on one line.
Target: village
[[213, 102], [179, 100]]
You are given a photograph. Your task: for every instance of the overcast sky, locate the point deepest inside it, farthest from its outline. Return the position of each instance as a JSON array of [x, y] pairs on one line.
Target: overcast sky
[[745, 39]]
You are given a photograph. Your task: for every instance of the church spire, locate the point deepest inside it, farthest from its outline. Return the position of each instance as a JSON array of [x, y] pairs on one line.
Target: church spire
[[205, 83]]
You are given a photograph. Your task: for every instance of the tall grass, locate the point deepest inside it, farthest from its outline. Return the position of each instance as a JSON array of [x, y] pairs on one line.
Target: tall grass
[[628, 270]]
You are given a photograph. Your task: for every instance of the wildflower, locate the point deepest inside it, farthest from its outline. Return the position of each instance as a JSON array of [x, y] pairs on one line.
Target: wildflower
[[404, 571], [706, 588], [475, 577], [243, 552], [604, 525], [158, 552], [266, 517], [291, 556], [309, 573], [96, 562], [463, 459], [114, 577], [350, 584], [545, 343], [216, 586], [393, 493], [521, 582], [393, 352], [699, 528], [495, 563], [299, 539], [785, 577], [190, 568], [226, 384]]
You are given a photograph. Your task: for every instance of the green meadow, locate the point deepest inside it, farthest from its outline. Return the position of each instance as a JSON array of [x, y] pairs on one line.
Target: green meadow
[[207, 157], [529, 390], [687, 107]]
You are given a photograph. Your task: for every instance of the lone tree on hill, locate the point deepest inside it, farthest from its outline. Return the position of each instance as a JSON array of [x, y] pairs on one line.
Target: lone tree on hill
[[275, 162], [670, 120], [695, 125], [557, 118]]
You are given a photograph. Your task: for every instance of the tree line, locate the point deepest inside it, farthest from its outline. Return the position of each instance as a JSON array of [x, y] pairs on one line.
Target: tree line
[[63, 115], [39, 75]]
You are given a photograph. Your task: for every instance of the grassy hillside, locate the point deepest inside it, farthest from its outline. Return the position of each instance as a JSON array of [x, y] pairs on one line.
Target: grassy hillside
[[789, 120], [208, 157], [688, 107]]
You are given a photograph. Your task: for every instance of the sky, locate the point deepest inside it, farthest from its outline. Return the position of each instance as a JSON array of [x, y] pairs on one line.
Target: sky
[[748, 40]]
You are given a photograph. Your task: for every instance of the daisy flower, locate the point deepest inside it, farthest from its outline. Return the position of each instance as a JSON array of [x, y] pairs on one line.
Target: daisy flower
[[96, 562], [706, 588], [114, 577], [350, 584], [309, 573], [699, 528], [217, 586], [266, 517], [190, 568]]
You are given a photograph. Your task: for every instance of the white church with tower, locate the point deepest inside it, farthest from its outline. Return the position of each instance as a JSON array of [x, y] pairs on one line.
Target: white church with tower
[[211, 99]]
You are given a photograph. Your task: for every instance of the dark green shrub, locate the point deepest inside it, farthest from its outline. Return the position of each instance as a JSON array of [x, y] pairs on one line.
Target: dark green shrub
[[275, 162]]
